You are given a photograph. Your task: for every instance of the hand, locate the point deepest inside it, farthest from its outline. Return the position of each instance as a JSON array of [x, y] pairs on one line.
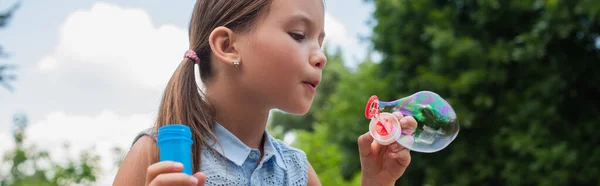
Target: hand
[[169, 173], [383, 165]]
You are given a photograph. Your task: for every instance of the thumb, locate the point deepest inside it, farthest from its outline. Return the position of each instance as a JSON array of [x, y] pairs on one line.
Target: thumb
[[364, 144], [201, 178]]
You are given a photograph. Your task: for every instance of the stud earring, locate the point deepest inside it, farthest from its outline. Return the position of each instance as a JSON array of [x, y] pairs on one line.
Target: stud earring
[[236, 63]]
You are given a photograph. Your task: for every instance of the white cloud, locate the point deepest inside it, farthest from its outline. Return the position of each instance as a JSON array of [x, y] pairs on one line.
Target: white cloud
[[338, 35], [48, 63], [336, 32], [101, 84], [103, 132], [123, 42], [6, 142], [105, 57]]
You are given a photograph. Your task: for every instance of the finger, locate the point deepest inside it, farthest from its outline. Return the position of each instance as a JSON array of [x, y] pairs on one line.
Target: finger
[[395, 147], [409, 124], [201, 178], [402, 157], [364, 144], [161, 168], [398, 115], [174, 179], [376, 148]]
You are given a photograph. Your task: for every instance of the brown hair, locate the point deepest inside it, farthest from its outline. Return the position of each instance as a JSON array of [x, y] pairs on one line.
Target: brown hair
[[183, 101]]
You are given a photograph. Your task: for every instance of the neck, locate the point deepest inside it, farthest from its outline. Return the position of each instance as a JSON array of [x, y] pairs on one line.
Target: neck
[[243, 116]]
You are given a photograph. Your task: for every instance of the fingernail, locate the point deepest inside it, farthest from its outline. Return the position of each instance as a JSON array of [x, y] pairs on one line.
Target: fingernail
[[367, 139], [194, 180], [408, 130], [392, 154], [403, 121], [178, 165]]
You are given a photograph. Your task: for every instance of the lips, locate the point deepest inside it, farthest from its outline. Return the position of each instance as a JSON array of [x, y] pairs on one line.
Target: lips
[[313, 85]]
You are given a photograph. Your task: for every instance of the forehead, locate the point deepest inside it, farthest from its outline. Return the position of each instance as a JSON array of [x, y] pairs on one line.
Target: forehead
[[284, 9]]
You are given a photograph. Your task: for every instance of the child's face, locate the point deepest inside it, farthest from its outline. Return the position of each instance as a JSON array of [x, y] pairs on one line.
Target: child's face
[[282, 58]]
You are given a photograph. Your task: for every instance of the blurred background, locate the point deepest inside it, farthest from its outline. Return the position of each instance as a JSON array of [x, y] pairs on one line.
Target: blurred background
[[79, 79]]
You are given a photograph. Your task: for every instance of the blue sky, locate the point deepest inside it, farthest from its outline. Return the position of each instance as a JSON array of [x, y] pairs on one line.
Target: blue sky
[[39, 20], [84, 65]]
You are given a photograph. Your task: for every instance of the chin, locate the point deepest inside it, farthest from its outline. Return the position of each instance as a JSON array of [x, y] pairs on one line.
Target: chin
[[298, 109]]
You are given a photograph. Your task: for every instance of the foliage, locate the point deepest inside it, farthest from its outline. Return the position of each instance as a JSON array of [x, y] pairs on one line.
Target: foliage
[[520, 75], [5, 76], [25, 165], [325, 156]]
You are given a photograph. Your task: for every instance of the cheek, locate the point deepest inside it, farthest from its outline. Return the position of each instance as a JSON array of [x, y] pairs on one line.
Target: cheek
[[275, 70], [275, 59]]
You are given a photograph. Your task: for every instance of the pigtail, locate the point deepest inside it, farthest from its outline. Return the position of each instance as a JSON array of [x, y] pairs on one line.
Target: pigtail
[[183, 103]]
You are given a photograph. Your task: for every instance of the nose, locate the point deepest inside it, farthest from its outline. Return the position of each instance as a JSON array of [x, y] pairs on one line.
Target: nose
[[318, 59]]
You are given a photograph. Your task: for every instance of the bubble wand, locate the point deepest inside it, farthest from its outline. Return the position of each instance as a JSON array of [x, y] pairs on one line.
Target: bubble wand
[[437, 125]]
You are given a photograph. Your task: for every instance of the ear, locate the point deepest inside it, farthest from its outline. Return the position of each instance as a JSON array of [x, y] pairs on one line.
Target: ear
[[221, 41]]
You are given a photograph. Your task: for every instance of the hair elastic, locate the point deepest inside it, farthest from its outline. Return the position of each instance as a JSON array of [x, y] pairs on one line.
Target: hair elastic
[[192, 55]]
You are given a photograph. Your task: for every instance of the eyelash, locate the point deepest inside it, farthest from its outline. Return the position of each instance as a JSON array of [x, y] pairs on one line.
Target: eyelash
[[297, 37]]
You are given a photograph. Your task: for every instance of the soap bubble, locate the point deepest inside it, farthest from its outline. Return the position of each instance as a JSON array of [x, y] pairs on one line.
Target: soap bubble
[[437, 125]]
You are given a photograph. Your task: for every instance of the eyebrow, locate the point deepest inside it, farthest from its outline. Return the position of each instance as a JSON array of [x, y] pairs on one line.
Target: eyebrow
[[305, 20]]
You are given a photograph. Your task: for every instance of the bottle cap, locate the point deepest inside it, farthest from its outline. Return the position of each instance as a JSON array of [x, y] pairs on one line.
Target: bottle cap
[[174, 131]]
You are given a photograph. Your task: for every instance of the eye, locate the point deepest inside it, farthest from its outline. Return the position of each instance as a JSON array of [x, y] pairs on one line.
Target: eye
[[297, 37]]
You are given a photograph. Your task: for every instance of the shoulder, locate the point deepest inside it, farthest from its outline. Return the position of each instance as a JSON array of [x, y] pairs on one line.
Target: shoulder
[[141, 155], [288, 150], [149, 132], [296, 160]]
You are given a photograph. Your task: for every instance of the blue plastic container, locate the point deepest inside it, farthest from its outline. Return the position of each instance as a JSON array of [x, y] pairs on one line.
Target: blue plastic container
[[175, 144]]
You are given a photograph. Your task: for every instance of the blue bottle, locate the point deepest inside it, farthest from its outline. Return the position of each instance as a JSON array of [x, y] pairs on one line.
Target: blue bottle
[[175, 144]]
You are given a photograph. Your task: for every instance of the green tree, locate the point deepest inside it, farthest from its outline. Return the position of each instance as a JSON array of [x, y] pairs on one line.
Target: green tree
[[4, 18], [521, 75], [28, 166], [5, 76], [324, 155]]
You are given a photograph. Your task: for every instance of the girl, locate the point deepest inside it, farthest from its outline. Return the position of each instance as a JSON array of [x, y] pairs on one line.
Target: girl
[[253, 56]]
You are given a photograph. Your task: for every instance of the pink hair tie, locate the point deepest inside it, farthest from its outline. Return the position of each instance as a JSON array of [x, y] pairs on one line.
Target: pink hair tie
[[192, 55]]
